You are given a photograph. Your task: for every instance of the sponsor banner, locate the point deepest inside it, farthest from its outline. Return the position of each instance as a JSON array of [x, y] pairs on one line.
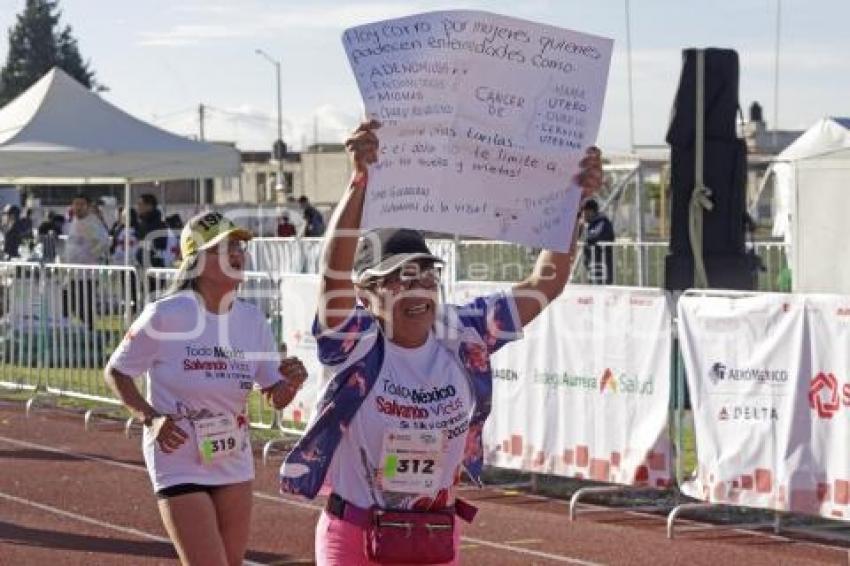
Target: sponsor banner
[[585, 393], [299, 295], [748, 367], [826, 401]]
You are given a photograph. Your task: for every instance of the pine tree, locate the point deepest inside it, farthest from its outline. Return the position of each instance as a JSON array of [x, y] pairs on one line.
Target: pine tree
[[36, 45]]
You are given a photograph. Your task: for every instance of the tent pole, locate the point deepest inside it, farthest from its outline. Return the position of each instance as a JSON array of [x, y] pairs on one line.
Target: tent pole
[[127, 228], [126, 222]]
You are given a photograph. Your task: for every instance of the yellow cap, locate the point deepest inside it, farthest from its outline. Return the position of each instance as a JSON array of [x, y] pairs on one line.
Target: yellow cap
[[207, 230]]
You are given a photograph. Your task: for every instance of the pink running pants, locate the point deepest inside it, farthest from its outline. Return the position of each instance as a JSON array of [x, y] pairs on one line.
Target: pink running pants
[[339, 543]]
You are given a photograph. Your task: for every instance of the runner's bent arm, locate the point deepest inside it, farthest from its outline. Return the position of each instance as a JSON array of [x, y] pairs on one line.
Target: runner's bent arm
[[127, 392], [168, 435]]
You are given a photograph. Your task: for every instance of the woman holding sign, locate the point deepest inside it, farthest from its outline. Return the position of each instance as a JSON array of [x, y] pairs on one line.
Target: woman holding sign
[[203, 350], [411, 387]]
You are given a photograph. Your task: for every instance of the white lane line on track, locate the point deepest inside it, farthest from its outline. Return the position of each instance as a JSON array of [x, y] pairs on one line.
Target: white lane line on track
[[310, 506], [95, 522], [44, 448], [77, 516], [703, 525], [84, 518], [303, 505], [529, 552]]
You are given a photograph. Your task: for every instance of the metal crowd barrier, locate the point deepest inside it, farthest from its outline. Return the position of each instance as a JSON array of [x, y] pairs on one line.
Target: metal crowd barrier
[[635, 264], [59, 325], [287, 255], [20, 304], [641, 264]]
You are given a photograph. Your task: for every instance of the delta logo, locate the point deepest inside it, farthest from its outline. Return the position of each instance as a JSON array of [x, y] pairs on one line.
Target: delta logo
[[625, 384], [825, 397], [748, 413]]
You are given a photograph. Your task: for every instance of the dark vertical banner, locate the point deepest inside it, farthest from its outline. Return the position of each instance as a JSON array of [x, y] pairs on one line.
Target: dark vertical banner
[[724, 174]]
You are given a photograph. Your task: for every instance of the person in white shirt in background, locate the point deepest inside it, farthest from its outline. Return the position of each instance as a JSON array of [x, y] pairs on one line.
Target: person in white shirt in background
[[87, 244], [202, 351], [88, 239]]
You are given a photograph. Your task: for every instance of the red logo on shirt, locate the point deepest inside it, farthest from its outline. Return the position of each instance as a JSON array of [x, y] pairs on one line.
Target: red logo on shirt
[[395, 409], [204, 365]]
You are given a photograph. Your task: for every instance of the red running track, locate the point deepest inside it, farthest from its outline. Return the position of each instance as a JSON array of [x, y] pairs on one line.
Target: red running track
[[68, 496]]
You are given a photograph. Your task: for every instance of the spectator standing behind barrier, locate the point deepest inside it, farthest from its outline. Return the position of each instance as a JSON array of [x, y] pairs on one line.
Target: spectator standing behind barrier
[[27, 222], [98, 212], [48, 235], [598, 260], [14, 231], [151, 232], [119, 233], [314, 223], [412, 383], [88, 240], [202, 351], [87, 244], [285, 228]]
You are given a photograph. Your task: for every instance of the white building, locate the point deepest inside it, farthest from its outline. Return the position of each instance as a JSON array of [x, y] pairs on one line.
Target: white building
[[320, 173]]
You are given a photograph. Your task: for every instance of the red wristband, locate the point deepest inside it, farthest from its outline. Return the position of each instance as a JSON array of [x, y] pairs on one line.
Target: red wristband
[[359, 180]]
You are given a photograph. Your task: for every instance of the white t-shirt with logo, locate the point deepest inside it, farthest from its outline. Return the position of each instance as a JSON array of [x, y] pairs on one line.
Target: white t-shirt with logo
[[418, 389], [198, 365]]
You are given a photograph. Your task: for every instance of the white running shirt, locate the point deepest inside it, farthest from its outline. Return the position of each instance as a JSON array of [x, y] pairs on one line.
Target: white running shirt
[[418, 388], [198, 364]]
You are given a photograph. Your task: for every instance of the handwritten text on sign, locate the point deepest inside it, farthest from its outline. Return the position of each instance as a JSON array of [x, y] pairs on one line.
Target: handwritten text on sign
[[485, 119]]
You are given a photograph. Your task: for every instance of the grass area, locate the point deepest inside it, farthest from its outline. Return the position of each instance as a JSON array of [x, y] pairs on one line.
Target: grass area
[[84, 380]]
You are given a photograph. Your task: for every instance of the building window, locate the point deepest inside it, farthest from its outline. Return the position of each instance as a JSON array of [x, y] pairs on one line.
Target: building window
[[261, 187]]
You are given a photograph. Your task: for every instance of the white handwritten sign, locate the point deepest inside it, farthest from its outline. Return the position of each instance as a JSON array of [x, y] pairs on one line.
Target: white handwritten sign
[[485, 119]]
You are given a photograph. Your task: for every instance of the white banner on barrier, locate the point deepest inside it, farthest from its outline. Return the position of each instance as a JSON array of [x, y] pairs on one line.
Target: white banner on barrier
[[585, 393], [826, 470], [299, 299], [748, 377]]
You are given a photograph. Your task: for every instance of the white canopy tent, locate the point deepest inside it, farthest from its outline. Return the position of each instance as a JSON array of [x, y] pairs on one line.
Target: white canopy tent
[[811, 183], [59, 132]]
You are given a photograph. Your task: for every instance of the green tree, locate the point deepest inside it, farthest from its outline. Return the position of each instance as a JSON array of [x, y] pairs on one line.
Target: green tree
[[36, 45]]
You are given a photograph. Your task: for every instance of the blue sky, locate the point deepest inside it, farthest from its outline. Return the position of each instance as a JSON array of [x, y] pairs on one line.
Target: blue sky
[[161, 58]]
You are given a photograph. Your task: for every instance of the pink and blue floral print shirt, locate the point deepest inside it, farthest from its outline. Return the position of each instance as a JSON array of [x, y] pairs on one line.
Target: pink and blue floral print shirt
[[355, 354]]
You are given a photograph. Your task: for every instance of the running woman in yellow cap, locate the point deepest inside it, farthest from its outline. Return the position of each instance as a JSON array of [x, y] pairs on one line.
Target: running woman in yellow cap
[[202, 351]]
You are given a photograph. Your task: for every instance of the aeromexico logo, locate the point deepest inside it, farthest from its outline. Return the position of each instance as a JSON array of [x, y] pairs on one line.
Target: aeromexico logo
[[721, 373], [717, 373], [826, 397]]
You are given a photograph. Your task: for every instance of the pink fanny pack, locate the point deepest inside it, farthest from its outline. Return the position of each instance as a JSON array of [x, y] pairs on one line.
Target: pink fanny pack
[[405, 537], [410, 537]]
